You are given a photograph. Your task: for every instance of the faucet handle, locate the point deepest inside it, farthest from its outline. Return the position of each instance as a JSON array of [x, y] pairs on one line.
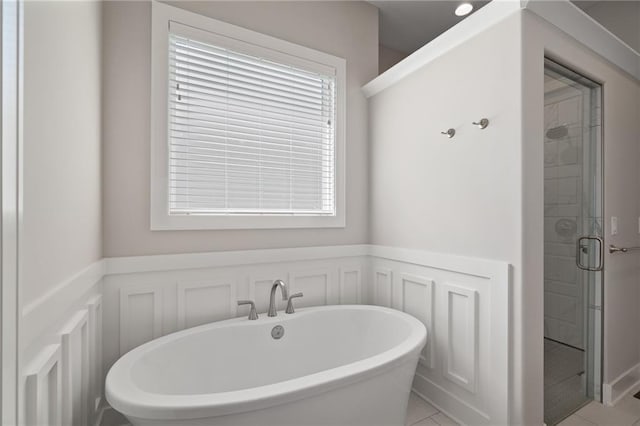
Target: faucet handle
[[290, 309], [253, 314]]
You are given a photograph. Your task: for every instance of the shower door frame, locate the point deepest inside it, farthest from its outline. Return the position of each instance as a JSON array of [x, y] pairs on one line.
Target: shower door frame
[[594, 357], [11, 37]]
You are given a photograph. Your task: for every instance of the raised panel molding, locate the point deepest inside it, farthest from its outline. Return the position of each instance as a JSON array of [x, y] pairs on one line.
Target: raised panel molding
[[461, 336], [211, 305], [75, 370], [132, 318], [422, 308], [95, 355], [314, 283], [350, 278], [383, 287], [44, 388]]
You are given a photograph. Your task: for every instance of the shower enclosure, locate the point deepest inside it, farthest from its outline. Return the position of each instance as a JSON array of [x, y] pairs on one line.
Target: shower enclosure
[[573, 245]]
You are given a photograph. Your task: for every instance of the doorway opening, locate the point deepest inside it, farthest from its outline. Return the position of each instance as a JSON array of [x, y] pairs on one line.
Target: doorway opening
[[573, 245]]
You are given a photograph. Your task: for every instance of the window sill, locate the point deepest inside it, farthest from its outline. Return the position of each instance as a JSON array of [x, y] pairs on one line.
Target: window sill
[[167, 222]]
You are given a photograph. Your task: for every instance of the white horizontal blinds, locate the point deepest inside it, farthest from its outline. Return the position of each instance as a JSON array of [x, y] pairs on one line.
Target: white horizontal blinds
[[247, 135]]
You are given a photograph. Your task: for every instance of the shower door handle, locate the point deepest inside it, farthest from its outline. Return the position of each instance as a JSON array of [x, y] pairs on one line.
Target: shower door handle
[[583, 246]]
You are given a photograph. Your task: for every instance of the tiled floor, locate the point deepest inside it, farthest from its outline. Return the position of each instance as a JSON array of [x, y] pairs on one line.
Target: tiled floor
[[563, 381], [419, 413], [625, 413]]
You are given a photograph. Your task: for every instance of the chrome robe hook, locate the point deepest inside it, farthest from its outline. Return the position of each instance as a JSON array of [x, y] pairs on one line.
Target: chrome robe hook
[[483, 123], [449, 133]]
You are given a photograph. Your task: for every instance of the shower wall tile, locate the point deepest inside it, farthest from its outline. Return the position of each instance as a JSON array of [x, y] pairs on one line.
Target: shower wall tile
[[568, 153], [560, 249], [560, 269], [567, 190], [563, 288], [553, 172], [570, 110], [550, 153], [561, 210], [561, 307]]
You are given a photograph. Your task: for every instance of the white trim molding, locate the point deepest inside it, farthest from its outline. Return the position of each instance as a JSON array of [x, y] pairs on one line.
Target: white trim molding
[[625, 384], [37, 314], [11, 205], [44, 388], [63, 380], [170, 262], [75, 369]]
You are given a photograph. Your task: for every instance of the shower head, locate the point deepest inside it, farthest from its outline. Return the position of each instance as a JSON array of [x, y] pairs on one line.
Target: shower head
[[557, 132]]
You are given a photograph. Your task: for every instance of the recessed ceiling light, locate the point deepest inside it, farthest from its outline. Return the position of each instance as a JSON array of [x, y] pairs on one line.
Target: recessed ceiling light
[[464, 9]]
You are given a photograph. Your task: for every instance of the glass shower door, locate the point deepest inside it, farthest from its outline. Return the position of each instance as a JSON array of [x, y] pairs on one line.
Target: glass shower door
[[573, 249]]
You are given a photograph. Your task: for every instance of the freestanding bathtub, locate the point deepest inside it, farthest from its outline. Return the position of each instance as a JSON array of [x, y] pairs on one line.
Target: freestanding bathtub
[[334, 365]]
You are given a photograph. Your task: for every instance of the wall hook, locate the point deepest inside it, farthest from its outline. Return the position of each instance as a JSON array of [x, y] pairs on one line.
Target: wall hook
[[449, 133], [482, 123]]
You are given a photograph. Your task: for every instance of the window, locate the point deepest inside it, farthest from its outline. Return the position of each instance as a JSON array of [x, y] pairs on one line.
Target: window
[[247, 130]]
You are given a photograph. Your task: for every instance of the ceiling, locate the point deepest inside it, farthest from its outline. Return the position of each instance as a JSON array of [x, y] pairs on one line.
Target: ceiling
[[408, 25]]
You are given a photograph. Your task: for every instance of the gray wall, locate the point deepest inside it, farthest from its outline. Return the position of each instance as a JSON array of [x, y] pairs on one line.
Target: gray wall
[[62, 133], [388, 57], [621, 18], [345, 29]]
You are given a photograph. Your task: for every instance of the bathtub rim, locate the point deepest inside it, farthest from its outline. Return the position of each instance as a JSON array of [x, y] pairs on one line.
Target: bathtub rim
[[130, 400]]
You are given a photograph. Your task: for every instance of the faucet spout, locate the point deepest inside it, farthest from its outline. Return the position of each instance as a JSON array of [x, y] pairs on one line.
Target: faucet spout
[[272, 297]]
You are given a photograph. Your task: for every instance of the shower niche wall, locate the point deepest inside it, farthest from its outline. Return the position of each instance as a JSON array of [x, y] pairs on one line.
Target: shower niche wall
[[573, 247]]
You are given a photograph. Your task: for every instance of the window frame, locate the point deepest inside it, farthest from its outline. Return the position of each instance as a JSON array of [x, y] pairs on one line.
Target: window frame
[[234, 37]]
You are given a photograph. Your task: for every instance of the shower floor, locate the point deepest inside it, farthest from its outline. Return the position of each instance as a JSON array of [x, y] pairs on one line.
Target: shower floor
[[563, 381]]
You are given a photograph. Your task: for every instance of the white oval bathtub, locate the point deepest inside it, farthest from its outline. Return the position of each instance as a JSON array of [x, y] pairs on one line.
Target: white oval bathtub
[[335, 365]]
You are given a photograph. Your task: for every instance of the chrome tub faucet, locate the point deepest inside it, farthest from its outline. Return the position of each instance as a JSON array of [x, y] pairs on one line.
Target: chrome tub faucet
[[272, 297]]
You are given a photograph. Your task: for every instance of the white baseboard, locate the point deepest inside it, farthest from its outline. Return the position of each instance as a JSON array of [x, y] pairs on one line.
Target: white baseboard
[[628, 382]]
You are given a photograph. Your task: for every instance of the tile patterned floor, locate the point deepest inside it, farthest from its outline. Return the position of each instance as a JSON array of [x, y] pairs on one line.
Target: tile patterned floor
[[419, 413], [625, 413], [563, 381]]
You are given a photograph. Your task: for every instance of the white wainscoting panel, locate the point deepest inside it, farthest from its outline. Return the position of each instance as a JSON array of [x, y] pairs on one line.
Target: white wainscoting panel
[[461, 336], [151, 300], [44, 388], [464, 303], [95, 356], [201, 302], [75, 370], [382, 281], [350, 285], [63, 380], [140, 315], [417, 299], [314, 284]]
